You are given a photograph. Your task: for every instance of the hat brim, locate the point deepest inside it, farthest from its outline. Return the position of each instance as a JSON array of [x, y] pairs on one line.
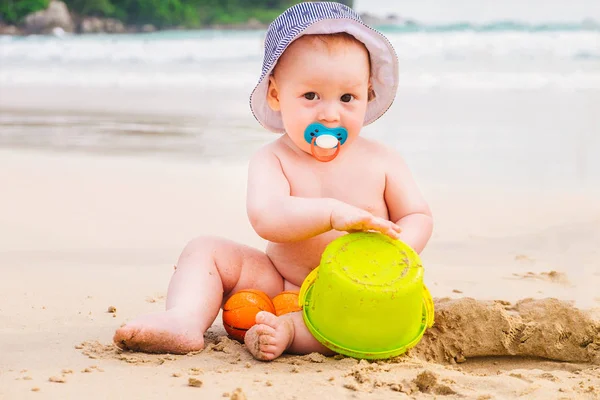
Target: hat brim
[[384, 71]]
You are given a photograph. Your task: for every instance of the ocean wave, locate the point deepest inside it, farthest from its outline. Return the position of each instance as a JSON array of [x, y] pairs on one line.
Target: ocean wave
[[459, 58], [129, 49], [244, 82], [589, 25], [495, 46], [199, 48]]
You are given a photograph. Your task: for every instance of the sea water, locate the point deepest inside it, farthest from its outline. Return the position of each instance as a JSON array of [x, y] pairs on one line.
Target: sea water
[[499, 102]]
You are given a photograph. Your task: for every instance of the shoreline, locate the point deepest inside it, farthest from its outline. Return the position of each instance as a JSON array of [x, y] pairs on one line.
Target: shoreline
[[468, 142]]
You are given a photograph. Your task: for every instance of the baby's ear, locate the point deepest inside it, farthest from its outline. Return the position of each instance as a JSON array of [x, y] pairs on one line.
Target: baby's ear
[[370, 93], [273, 95]]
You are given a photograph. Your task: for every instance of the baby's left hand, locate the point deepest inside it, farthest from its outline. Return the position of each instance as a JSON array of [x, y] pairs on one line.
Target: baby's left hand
[[353, 219]]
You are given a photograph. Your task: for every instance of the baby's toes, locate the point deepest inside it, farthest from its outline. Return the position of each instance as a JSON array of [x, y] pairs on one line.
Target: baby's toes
[[269, 352], [258, 341], [259, 334], [267, 337], [266, 318]]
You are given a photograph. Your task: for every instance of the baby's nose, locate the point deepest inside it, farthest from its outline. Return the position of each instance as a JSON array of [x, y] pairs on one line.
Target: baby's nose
[[329, 113]]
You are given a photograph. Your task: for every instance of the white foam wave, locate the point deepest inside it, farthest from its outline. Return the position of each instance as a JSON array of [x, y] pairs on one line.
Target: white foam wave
[[128, 49], [503, 81], [497, 45], [576, 80], [147, 50], [468, 60], [110, 78]]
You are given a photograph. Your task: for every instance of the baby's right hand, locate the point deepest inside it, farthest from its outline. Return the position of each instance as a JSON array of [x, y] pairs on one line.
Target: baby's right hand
[[353, 219]]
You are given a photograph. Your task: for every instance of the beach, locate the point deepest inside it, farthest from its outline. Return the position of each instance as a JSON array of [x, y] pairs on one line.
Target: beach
[[83, 233], [104, 183]]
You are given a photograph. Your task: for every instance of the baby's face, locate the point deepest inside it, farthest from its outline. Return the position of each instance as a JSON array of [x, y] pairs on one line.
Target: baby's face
[[321, 82]]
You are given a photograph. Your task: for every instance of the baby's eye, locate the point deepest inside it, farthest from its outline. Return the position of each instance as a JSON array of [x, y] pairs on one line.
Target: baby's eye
[[311, 96], [346, 98]]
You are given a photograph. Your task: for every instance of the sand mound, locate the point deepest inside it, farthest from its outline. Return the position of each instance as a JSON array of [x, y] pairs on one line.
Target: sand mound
[[464, 328], [545, 328]]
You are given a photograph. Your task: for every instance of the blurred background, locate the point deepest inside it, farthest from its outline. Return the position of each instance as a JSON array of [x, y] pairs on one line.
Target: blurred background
[[498, 93]]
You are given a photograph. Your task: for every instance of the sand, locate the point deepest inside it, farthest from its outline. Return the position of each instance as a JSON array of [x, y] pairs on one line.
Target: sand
[[88, 242], [101, 188]]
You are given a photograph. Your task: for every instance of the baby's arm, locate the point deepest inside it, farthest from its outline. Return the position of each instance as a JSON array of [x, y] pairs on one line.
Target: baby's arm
[[279, 217], [406, 205]]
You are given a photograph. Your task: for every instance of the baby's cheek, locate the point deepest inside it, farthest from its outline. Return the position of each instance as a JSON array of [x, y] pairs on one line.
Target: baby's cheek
[[297, 127], [354, 125], [297, 121], [294, 127]]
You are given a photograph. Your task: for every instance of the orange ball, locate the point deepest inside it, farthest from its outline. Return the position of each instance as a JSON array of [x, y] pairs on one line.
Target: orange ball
[[239, 312], [286, 302]]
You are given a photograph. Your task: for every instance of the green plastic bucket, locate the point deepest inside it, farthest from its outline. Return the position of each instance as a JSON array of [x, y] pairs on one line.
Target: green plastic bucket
[[367, 299]]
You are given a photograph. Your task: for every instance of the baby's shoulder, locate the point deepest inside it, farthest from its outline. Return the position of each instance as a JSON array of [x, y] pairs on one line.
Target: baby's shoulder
[[270, 149], [269, 157], [375, 150]]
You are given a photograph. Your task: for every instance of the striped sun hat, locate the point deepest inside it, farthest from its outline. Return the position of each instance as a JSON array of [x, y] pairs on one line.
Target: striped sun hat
[[324, 18]]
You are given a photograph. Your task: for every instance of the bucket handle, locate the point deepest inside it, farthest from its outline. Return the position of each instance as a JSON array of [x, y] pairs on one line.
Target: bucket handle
[[310, 279], [429, 309]]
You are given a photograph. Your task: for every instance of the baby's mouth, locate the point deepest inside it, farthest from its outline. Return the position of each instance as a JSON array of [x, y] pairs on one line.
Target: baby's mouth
[[321, 137], [325, 142]]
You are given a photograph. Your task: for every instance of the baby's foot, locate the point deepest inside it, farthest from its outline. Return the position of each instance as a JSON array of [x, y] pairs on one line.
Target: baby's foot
[[164, 332], [270, 337]]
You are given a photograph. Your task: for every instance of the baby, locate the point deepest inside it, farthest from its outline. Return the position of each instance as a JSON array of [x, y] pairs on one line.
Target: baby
[[325, 76]]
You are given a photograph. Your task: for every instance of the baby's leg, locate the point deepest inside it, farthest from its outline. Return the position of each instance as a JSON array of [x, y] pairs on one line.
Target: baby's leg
[[208, 271], [271, 336]]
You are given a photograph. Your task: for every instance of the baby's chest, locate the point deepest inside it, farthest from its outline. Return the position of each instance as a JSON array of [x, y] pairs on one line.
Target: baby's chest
[[359, 186]]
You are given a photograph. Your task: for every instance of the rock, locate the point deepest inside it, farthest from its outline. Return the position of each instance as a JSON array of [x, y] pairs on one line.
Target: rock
[[112, 25], [91, 25], [9, 30], [253, 23], [148, 28], [44, 21], [390, 19], [101, 25]]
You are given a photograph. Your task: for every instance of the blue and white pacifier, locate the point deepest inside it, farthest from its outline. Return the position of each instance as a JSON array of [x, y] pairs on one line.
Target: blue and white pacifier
[[318, 135]]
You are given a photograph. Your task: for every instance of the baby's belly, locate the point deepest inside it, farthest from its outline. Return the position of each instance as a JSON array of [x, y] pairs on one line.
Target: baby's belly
[[295, 260]]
